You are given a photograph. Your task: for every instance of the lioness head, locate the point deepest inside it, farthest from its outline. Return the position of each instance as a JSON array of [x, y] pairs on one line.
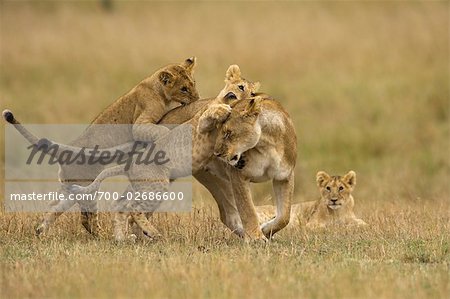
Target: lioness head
[[335, 191], [240, 132], [177, 82], [235, 84]]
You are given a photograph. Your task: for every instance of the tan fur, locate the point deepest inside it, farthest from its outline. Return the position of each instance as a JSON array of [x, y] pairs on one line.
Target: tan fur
[[335, 205], [215, 175], [204, 135], [145, 104], [260, 134]]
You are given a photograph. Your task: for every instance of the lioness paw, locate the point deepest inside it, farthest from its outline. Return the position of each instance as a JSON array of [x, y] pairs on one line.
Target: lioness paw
[[215, 114], [219, 112]]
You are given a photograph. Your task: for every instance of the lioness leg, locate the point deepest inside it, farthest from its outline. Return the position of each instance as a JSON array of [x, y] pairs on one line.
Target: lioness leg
[[244, 203], [284, 191], [222, 192]]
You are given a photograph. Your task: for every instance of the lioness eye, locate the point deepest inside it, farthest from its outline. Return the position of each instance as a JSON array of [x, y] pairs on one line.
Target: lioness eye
[[241, 87], [328, 188], [184, 89]]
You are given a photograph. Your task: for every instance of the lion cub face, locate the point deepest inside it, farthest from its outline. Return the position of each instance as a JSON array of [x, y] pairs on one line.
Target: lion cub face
[[335, 191], [240, 132], [178, 83], [237, 85]]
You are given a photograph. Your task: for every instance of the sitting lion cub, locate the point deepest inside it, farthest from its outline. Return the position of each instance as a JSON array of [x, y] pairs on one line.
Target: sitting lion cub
[[335, 205]]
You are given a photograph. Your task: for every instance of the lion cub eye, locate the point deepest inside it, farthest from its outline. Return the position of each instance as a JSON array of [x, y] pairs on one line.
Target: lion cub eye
[[241, 87], [328, 188], [341, 188], [184, 89]]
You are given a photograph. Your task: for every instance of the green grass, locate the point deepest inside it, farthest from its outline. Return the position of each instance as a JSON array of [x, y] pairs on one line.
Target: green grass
[[366, 84]]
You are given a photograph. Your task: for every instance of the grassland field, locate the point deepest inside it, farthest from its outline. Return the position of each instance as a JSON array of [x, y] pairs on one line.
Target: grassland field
[[366, 84]]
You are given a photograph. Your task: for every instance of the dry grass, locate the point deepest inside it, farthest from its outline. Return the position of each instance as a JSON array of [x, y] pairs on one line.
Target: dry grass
[[392, 258], [366, 85]]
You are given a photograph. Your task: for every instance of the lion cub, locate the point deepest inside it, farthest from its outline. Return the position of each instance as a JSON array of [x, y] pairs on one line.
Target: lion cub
[[335, 205]]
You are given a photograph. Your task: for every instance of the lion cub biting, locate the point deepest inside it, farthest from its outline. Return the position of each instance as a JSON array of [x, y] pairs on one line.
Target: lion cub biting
[[335, 205]]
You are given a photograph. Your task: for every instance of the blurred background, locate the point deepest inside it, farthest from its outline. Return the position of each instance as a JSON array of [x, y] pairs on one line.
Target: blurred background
[[366, 84]]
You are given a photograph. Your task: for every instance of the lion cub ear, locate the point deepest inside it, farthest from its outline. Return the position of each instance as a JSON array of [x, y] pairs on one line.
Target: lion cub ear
[[166, 77], [321, 178], [189, 64], [233, 73], [254, 87], [253, 107], [350, 178]]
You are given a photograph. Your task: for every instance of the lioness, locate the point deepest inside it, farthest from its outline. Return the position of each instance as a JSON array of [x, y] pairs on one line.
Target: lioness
[[215, 175], [145, 104], [335, 204], [259, 141]]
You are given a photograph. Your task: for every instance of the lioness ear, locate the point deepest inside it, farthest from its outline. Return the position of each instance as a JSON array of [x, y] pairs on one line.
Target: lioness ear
[[165, 77], [189, 64], [321, 178], [233, 73], [350, 178], [253, 107]]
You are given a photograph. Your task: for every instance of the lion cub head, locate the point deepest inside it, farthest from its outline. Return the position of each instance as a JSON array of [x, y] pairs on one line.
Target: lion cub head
[[237, 86], [335, 191], [177, 82], [219, 110]]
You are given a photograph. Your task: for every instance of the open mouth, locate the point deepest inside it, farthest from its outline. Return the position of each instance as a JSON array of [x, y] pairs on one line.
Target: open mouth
[[240, 163], [334, 206], [234, 160]]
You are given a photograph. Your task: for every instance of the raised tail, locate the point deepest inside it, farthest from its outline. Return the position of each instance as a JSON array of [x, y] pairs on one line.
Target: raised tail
[[95, 185], [9, 117], [57, 148]]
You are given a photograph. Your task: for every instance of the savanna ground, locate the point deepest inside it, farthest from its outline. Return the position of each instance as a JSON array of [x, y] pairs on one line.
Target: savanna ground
[[366, 85]]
